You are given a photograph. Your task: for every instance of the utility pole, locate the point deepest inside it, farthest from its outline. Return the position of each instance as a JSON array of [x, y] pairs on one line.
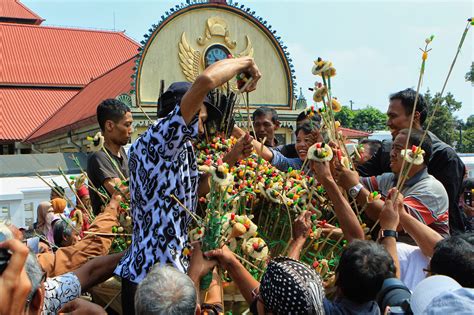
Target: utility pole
[[351, 102]]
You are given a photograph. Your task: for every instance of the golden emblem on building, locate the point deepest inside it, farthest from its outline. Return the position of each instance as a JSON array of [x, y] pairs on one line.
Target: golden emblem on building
[[219, 46]]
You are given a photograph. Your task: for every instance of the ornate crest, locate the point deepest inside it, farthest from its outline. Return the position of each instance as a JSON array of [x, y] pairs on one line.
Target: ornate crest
[[193, 61]]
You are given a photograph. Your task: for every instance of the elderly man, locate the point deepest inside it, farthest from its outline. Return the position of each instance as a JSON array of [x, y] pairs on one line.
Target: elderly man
[[165, 290]]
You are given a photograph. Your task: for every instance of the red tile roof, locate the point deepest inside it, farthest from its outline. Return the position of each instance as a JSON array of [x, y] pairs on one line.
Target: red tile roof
[[353, 133], [54, 56], [14, 11], [23, 109], [81, 109]]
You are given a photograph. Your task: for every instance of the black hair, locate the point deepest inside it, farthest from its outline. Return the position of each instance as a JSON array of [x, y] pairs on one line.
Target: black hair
[[111, 109], [305, 115], [306, 128], [407, 97], [362, 269], [58, 190], [61, 230], [264, 110], [415, 139], [374, 145], [454, 257]]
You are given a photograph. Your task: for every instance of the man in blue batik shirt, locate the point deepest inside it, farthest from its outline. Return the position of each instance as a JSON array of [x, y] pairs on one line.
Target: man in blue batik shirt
[[162, 163]]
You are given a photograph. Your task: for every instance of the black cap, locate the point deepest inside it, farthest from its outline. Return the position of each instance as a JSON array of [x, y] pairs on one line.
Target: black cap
[[173, 96]]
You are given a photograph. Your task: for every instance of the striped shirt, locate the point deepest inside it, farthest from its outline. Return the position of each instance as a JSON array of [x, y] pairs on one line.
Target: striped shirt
[[424, 197]]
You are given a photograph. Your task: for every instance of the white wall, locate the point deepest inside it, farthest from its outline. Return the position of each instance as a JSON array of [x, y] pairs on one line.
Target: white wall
[[20, 196]]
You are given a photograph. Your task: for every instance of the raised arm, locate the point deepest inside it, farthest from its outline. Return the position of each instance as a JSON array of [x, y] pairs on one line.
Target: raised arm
[[389, 220], [348, 179], [68, 258], [259, 147], [214, 76], [241, 277], [344, 213]]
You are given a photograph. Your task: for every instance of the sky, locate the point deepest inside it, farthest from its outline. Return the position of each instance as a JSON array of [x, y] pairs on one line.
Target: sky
[[374, 44]]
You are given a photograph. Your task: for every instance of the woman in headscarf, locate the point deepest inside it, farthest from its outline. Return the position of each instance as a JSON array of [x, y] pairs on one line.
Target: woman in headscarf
[[58, 204], [41, 212]]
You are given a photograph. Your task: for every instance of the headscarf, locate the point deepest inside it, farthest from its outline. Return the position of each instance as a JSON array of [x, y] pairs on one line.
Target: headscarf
[[43, 208], [291, 287], [50, 219], [59, 204]]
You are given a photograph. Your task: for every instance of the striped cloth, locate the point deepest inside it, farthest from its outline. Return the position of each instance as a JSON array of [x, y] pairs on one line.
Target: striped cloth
[[424, 197]]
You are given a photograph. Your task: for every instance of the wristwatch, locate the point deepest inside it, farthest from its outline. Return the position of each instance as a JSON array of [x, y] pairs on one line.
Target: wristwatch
[[354, 191], [388, 233]]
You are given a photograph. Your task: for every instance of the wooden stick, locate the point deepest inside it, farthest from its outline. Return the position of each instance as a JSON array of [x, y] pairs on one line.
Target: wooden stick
[[113, 298], [334, 246], [54, 189], [412, 118], [194, 216], [324, 242], [89, 182], [114, 163], [373, 227], [91, 216], [246, 261], [143, 111]]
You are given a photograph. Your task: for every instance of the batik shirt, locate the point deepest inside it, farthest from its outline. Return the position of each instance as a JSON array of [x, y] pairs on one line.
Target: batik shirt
[[60, 290], [161, 163]]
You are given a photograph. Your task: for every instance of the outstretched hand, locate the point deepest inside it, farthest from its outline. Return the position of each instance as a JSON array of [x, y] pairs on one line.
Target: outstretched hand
[[321, 171], [199, 265], [389, 217], [82, 307], [241, 150], [302, 226], [14, 282], [224, 256]]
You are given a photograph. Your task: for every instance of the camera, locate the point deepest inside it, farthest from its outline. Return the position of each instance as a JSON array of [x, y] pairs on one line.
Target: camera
[[395, 294], [4, 254]]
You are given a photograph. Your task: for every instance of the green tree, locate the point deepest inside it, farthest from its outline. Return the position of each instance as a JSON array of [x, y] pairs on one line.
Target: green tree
[[345, 117], [369, 119], [469, 122], [470, 75], [467, 135], [444, 124], [467, 141]]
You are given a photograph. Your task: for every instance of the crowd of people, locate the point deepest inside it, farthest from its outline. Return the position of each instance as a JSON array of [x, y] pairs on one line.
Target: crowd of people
[[420, 260]]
